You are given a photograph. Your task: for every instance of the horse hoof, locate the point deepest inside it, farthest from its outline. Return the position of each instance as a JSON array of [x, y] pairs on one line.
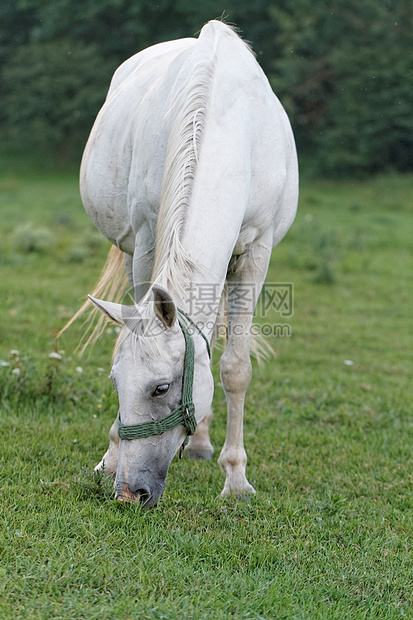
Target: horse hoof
[[198, 455], [242, 494], [243, 497]]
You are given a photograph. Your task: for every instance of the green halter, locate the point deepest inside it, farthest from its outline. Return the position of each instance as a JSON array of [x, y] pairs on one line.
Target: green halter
[[183, 414]]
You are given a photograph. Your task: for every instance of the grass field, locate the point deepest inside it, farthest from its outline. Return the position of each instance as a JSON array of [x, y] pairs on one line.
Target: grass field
[[328, 431]]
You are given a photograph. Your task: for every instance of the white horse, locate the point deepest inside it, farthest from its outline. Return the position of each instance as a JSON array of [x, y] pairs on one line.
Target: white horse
[[191, 171]]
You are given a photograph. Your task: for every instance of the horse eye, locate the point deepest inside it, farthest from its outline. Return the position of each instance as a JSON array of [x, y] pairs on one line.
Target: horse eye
[[160, 390]]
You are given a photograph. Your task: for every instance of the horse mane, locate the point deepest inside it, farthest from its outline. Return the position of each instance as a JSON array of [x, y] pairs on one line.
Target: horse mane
[[189, 106]]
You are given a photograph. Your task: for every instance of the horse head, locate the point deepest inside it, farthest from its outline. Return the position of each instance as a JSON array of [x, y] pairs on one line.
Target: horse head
[[162, 375]]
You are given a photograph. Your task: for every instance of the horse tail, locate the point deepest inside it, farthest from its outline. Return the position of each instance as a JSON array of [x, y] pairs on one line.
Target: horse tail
[[111, 286], [261, 349]]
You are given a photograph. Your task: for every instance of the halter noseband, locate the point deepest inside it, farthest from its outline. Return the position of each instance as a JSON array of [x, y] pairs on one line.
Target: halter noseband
[[185, 412]]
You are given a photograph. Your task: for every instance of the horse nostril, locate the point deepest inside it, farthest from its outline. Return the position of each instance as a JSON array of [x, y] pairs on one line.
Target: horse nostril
[[143, 495]]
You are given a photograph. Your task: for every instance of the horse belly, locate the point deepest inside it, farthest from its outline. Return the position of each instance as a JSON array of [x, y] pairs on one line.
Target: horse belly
[[121, 180]]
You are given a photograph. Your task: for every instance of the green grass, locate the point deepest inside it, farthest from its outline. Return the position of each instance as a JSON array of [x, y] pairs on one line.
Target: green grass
[[329, 534]]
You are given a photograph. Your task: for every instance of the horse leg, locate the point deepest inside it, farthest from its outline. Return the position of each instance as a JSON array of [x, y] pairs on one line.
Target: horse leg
[[200, 446], [245, 281], [136, 271], [129, 268], [109, 463]]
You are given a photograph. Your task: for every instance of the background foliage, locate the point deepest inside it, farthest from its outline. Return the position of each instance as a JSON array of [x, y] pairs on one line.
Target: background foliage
[[340, 68]]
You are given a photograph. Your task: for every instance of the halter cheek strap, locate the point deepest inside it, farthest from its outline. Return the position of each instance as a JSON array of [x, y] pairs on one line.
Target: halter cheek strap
[[184, 414]]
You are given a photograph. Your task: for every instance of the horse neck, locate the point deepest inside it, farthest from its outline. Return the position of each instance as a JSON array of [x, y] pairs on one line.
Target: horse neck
[[201, 210]]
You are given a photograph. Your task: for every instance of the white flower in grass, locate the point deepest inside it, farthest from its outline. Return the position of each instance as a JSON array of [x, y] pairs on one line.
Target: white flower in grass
[[348, 362], [16, 371], [79, 369], [3, 363], [14, 352], [54, 355]]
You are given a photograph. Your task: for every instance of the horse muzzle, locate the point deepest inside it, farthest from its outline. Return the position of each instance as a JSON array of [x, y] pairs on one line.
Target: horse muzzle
[[144, 495]]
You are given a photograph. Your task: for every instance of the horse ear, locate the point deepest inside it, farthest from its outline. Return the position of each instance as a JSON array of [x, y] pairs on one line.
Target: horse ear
[[116, 312], [165, 308]]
